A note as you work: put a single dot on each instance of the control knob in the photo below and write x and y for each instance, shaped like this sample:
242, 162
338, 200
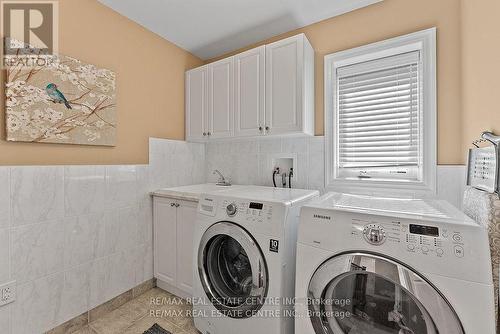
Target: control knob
374, 234
231, 209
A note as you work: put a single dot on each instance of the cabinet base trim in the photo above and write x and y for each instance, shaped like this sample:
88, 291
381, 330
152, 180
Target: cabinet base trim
172, 289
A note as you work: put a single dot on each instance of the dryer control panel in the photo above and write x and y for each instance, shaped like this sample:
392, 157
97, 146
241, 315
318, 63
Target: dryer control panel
415, 238
433, 246
432, 240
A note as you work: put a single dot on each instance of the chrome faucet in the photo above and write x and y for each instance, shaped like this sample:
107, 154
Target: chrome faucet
222, 180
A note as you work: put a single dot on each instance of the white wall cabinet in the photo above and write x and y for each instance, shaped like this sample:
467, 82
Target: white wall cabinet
250, 83
174, 222
268, 90
290, 86
196, 104
221, 99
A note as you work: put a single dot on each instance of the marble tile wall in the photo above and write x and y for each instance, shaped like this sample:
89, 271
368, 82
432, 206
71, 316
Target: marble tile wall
74, 237
249, 161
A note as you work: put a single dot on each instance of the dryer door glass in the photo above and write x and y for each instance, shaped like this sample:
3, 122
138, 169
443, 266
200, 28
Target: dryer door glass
368, 294
232, 270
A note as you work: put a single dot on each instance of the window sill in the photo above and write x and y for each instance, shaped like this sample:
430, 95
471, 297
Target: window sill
405, 188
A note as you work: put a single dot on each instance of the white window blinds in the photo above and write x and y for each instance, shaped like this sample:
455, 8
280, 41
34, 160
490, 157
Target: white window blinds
379, 118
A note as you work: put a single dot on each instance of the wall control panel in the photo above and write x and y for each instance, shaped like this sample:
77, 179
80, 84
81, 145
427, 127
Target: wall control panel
483, 168
414, 238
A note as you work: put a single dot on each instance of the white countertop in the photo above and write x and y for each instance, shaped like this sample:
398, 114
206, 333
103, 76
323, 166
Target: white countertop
190, 193
193, 192
288, 196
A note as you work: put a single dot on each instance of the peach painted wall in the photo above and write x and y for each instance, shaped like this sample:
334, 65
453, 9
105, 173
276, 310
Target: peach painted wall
150, 73
150, 86
481, 68
392, 18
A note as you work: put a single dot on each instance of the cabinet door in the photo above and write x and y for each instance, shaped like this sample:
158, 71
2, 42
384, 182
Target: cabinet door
284, 82
186, 219
165, 240
250, 79
221, 99
196, 104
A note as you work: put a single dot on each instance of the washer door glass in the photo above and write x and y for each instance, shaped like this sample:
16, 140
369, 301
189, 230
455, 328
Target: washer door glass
232, 270
368, 294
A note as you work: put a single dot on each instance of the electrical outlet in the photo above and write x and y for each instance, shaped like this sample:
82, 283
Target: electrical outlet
7, 293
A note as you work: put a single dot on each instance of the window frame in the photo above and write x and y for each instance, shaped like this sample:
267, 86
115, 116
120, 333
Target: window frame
423, 41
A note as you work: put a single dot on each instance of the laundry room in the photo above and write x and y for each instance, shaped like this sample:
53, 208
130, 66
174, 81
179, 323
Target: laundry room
241, 167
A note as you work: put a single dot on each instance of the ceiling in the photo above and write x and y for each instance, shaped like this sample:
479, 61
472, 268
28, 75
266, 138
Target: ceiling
210, 28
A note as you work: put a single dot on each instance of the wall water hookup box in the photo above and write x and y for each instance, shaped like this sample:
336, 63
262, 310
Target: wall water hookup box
285, 162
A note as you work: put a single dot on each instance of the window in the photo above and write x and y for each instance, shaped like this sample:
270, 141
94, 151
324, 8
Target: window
380, 112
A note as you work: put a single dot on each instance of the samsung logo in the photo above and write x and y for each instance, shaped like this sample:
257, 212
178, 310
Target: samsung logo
322, 217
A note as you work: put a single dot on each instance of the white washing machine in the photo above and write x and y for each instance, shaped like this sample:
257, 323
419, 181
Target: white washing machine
245, 242
370, 265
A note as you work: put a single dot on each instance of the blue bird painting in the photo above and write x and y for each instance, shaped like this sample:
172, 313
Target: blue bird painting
56, 95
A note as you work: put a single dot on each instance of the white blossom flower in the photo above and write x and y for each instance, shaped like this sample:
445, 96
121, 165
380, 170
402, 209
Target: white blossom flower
33, 133
23, 116
92, 135
13, 123
11, 102
99, 124
52, 115
62, 136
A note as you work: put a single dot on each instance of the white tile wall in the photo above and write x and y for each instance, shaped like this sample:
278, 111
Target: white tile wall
84, 239
5, 318
176, 163
99, 282
4, 197
4, 255
38, 304
451, 182
37, 250
84, 189
75, 292
74, 237
248, 161
37, 194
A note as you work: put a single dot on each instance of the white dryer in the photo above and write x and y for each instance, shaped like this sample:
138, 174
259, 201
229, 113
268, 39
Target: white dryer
245, 242
369, 265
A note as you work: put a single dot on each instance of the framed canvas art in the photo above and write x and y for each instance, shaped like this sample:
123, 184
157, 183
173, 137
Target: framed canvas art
66, 102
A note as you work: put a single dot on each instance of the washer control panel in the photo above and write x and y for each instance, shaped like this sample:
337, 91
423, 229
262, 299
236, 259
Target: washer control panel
414, 238
231, 209
257, 212
374, 234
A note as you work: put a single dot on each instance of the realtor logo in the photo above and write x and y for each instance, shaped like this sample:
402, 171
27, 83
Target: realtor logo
29, 29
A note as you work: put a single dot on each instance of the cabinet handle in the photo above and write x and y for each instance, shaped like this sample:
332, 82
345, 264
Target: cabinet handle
208, 134
267, 128
172, 204
260, 128
177, 205
204, 134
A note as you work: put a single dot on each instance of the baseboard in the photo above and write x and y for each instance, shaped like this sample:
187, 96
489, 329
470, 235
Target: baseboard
173, 290
84, 319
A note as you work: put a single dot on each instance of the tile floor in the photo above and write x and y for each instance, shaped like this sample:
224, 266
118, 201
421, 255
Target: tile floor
136, 316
